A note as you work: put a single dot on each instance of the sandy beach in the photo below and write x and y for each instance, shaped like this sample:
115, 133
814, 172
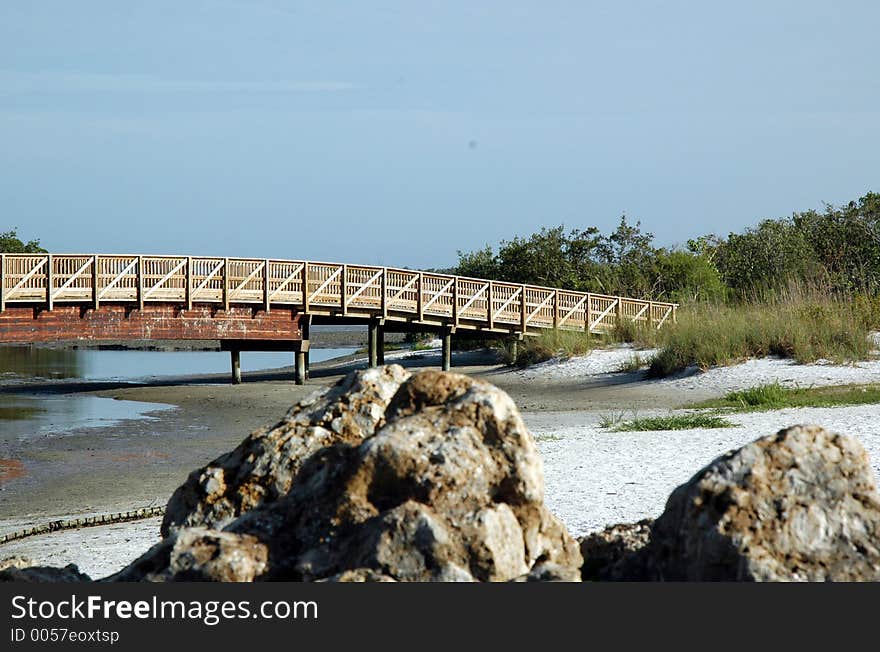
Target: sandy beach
594, 477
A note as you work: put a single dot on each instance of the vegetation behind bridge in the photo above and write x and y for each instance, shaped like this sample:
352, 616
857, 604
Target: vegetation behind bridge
805, 286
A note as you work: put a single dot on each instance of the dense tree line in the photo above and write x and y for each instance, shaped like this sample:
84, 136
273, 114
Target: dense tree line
835, 251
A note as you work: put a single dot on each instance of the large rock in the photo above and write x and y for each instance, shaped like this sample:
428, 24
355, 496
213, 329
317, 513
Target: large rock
799, 505
440, 483
262, 467
22, 569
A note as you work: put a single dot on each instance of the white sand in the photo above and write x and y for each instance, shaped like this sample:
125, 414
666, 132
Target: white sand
97, 551
594, 477
598, 362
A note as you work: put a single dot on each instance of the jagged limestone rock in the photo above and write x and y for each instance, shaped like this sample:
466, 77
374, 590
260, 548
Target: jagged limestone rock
262, 467
798, 505
437, 480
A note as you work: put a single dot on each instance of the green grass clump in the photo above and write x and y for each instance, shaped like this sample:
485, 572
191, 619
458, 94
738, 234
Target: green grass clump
804, 330
776, 397
671, 422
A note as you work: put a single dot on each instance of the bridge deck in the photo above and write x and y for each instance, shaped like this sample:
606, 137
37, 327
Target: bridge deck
47, 281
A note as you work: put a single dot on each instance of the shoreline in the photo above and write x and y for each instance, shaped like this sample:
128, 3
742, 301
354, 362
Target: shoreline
594, 477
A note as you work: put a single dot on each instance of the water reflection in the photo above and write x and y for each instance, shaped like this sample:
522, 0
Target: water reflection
40, 415
26, 416
32, 361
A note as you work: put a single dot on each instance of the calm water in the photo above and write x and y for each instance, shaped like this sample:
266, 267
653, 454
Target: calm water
34, 415
21, 363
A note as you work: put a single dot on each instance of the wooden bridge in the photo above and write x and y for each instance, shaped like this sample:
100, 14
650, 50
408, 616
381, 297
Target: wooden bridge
269, 304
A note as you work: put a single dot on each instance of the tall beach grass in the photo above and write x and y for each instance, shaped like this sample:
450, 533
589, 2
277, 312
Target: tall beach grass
805, 329
802, 325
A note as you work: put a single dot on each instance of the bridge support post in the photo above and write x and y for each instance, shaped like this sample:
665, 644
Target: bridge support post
514, 346
373, 343
300, 369
446, 336
380, 345
235, 357
304, 344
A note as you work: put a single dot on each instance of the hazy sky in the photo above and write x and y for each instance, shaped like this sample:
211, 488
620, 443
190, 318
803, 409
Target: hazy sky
396, 133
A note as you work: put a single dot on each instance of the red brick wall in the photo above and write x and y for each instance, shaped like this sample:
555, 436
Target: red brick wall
156, 321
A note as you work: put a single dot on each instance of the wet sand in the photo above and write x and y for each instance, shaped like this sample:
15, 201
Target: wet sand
139, 463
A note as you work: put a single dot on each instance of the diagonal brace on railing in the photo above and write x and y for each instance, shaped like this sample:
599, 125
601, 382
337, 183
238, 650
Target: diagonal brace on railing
29, 275
665, 317
324, 285
573, 310
208, 278
438, 295
73, 277
605, 312
640, 312
164, 279
363, 287
406, 287
507, 303
117, 278
287, 281
476, 296
259, 268
541, 305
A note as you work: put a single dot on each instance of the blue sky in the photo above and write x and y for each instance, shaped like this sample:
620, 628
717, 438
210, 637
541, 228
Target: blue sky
396, 133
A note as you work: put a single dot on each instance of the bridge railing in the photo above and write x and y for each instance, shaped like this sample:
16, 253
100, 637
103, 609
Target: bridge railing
316, 288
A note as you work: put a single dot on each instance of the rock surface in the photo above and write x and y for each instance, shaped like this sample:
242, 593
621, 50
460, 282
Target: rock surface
262, 467
21, 569
432, 477
198, 555
612, 553
799, 505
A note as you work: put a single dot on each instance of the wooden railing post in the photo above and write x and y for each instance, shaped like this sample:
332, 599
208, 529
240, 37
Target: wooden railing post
95, 281
619, 316
522, 303
140, 282
588, 314
490, 305
555, 309
189, 283
343, 290
49, 280
419, 299
650, 314
226, 284
455, 302
383, 288
266, 285
305, 286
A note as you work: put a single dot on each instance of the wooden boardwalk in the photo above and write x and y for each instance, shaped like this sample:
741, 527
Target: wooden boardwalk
330, 290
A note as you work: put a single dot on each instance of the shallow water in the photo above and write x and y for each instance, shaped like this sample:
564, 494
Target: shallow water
28, 416
19, 363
